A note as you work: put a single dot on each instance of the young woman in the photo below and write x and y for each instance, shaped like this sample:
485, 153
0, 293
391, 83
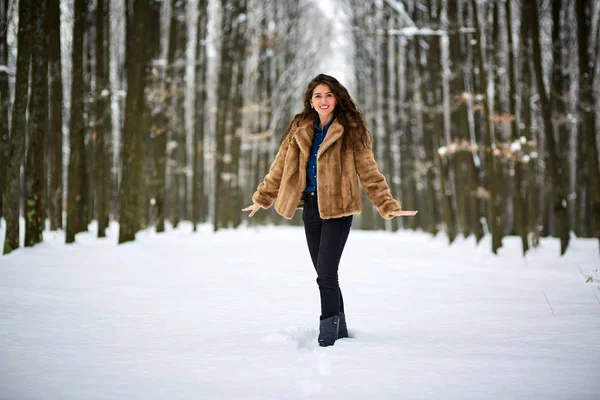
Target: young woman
324, 152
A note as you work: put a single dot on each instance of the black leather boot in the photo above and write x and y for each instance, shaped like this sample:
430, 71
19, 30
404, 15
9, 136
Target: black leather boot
328, 330
343, 331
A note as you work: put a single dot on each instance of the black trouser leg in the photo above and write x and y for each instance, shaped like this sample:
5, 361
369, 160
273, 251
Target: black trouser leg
326, 239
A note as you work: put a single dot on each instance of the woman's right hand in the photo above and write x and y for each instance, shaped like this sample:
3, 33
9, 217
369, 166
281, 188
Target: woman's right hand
253, 209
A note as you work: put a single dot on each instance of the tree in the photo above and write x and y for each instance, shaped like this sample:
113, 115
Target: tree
465, 171
176, 139
231, 62
199, 198
4, 100
102, 126
556, 170
35, 167
19, 126
587, 107
129, 212
490, 163
76, 193
520, 217
55, 101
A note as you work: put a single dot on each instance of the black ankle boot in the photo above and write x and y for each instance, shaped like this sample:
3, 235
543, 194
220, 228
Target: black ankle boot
343, 331
328, 330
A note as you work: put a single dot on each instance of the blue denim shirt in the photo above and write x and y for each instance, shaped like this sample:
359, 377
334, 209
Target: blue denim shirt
311, 165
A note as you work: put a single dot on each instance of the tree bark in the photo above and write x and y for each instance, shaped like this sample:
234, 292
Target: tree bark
224, 105
55, 134
129, 213
234, 183
176, 131
4, 101
407, 146
35, 166
103, 116
488, 143
520, 217
556, 169
76, 177
19, 126
199, 198
587, 126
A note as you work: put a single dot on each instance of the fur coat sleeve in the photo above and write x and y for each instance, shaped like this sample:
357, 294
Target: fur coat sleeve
374, 182
267, 191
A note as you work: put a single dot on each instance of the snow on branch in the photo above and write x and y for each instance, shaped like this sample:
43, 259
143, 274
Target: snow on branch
412, 31
399, 8
520, 150
4, 68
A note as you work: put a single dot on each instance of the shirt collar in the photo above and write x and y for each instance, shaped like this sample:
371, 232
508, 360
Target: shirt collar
317, 121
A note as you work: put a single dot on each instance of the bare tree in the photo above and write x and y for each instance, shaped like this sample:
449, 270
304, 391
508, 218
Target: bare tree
234, 13
199, 196
76, 221
587, 107
556, 169
4, 100
176, 154
19, 126
35, 167
490, 163
129, 212
102, 126
55, 135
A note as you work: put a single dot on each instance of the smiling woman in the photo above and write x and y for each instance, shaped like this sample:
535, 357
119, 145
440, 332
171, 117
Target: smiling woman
324, 152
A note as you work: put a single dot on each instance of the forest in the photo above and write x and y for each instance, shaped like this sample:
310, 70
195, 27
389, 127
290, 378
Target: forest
484, 113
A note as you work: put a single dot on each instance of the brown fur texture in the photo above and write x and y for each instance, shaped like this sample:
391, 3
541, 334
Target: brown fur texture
338, 173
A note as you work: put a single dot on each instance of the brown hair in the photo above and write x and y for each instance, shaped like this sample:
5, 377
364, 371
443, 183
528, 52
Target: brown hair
346, 112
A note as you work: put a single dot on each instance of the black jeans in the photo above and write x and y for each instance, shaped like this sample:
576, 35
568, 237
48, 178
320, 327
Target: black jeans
326, 239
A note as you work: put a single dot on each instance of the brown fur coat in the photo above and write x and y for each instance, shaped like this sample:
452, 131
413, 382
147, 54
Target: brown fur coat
338, 172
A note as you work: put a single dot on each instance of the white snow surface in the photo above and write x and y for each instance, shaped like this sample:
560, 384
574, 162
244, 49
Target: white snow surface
234, 315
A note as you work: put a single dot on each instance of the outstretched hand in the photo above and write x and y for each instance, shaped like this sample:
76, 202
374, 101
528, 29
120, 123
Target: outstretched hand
403, 213
253, 209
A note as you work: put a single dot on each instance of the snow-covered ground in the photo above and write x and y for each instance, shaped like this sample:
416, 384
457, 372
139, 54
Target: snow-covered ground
234, 315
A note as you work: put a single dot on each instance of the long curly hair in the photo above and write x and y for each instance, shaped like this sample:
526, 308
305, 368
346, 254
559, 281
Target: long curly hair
346, 113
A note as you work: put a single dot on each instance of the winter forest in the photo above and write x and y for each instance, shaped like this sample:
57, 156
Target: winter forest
484, 114
134, 132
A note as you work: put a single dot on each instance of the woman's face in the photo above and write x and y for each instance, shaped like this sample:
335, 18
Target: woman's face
323, 101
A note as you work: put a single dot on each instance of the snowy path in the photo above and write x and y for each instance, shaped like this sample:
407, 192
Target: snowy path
234, 315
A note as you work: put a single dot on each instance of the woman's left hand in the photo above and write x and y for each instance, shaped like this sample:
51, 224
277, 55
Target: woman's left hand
403, 213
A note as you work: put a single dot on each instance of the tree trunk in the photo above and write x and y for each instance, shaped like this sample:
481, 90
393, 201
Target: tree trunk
520, 217
407, 61
4, 101
224, 87
76, 176
389, 116
55, 135
103, 115
38, 127
434, 65
199, 199
465, 170
490, 163
176, 85
158, 118
429, 208
19, 126
556, 169
235, 204
587, 107
129, 213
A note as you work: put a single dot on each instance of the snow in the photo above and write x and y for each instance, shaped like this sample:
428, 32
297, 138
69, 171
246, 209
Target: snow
234, 315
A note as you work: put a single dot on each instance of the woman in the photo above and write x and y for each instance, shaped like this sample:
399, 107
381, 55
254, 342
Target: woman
323, 153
